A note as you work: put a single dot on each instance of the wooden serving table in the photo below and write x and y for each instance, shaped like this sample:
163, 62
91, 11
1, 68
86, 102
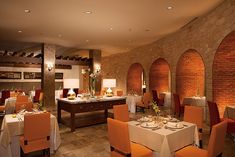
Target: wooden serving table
80, 106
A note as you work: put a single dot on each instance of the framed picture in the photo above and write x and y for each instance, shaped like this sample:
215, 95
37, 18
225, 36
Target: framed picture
10, 75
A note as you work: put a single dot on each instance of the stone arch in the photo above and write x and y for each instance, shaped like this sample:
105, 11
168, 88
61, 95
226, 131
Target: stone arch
223, 71
135, 78
159, 76
190, 75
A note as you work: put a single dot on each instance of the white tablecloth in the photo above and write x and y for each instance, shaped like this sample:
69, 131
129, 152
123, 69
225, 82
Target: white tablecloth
229, 112
10, 105
197, 101
167, 98
12, 128
131, 102
164, 142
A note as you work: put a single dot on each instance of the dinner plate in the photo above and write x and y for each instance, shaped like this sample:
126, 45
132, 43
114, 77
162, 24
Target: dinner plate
149, 125
144, 119
174, 125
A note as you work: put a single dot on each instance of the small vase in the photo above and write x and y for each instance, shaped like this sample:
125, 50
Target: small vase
92, 89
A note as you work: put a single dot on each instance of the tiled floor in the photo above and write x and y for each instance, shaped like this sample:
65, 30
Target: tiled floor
92, 141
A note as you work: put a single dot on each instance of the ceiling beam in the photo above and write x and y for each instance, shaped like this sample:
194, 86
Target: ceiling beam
10, 59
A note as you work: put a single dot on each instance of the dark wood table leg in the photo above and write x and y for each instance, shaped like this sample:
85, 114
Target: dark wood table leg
72, 122
106, 113
58, 113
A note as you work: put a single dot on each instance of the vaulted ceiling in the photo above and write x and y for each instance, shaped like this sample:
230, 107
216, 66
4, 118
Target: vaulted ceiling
109, 25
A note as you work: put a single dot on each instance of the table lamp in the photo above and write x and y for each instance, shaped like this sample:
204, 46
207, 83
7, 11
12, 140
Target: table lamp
109, 83
71, 84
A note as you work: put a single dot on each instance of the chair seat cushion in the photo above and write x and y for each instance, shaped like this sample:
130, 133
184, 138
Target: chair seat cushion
34, 145
191, 151
138, 150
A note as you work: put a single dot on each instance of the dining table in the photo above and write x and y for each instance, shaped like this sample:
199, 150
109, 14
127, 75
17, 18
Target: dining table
13, 127
197, 101
131, 101
164, 140
167, 98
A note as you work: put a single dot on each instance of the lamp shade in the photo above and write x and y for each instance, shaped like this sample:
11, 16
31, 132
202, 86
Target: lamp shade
109, 83
71, 83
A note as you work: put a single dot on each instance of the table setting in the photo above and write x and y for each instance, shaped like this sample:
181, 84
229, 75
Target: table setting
163, 134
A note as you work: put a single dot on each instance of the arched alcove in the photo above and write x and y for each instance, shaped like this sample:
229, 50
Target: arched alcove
190, 75
223, 82
159, 76
135, 78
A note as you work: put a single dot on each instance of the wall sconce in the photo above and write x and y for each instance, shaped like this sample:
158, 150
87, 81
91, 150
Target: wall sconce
49, 66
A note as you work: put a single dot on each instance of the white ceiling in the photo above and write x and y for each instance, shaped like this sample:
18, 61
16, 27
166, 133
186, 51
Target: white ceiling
114, 26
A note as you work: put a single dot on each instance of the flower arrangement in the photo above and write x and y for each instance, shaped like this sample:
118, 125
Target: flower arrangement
155, 107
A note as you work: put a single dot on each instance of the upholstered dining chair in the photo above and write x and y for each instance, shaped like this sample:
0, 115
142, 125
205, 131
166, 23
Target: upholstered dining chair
120, 143
215, 117
179, 108
215, 145
23, 105
121, 113
145, 102
37, 95
5, 95
160, 102
36, 133
194, 114
22, 98
120, 93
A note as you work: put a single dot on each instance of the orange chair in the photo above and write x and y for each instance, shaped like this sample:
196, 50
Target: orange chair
2, 110
145, 102
22, 98
179, 109
36, 133
23, 105
194, 114
119, 93
121, 113
215, 145
120, 144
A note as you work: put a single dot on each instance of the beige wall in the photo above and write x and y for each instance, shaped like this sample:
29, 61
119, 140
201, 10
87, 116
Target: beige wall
204, 35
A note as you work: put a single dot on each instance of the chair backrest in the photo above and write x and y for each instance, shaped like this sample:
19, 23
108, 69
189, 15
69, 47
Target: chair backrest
155, 96
37, 95
147, 98
5, 95
194, 114
121, 113
118, 134
36, 126
177, 102
41, 97
22, 98
23, 105
216, 141
214, 113
120, 93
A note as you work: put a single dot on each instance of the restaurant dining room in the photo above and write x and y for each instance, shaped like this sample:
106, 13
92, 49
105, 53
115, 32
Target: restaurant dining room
125, 78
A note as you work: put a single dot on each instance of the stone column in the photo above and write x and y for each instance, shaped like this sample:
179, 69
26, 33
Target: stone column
95, 55
48, 75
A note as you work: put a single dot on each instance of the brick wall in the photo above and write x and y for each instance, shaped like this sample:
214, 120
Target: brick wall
159, 76
224, 73
190, 73
134, 78
203, 35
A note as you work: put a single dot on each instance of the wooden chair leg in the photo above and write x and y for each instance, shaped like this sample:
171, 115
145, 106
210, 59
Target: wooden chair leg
200, 143
48, 152
22, 154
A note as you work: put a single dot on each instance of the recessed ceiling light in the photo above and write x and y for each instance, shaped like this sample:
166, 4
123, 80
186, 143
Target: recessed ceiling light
27, 11
88, 12
87, 40
19, 31
169, 7
111, 28
59, 35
